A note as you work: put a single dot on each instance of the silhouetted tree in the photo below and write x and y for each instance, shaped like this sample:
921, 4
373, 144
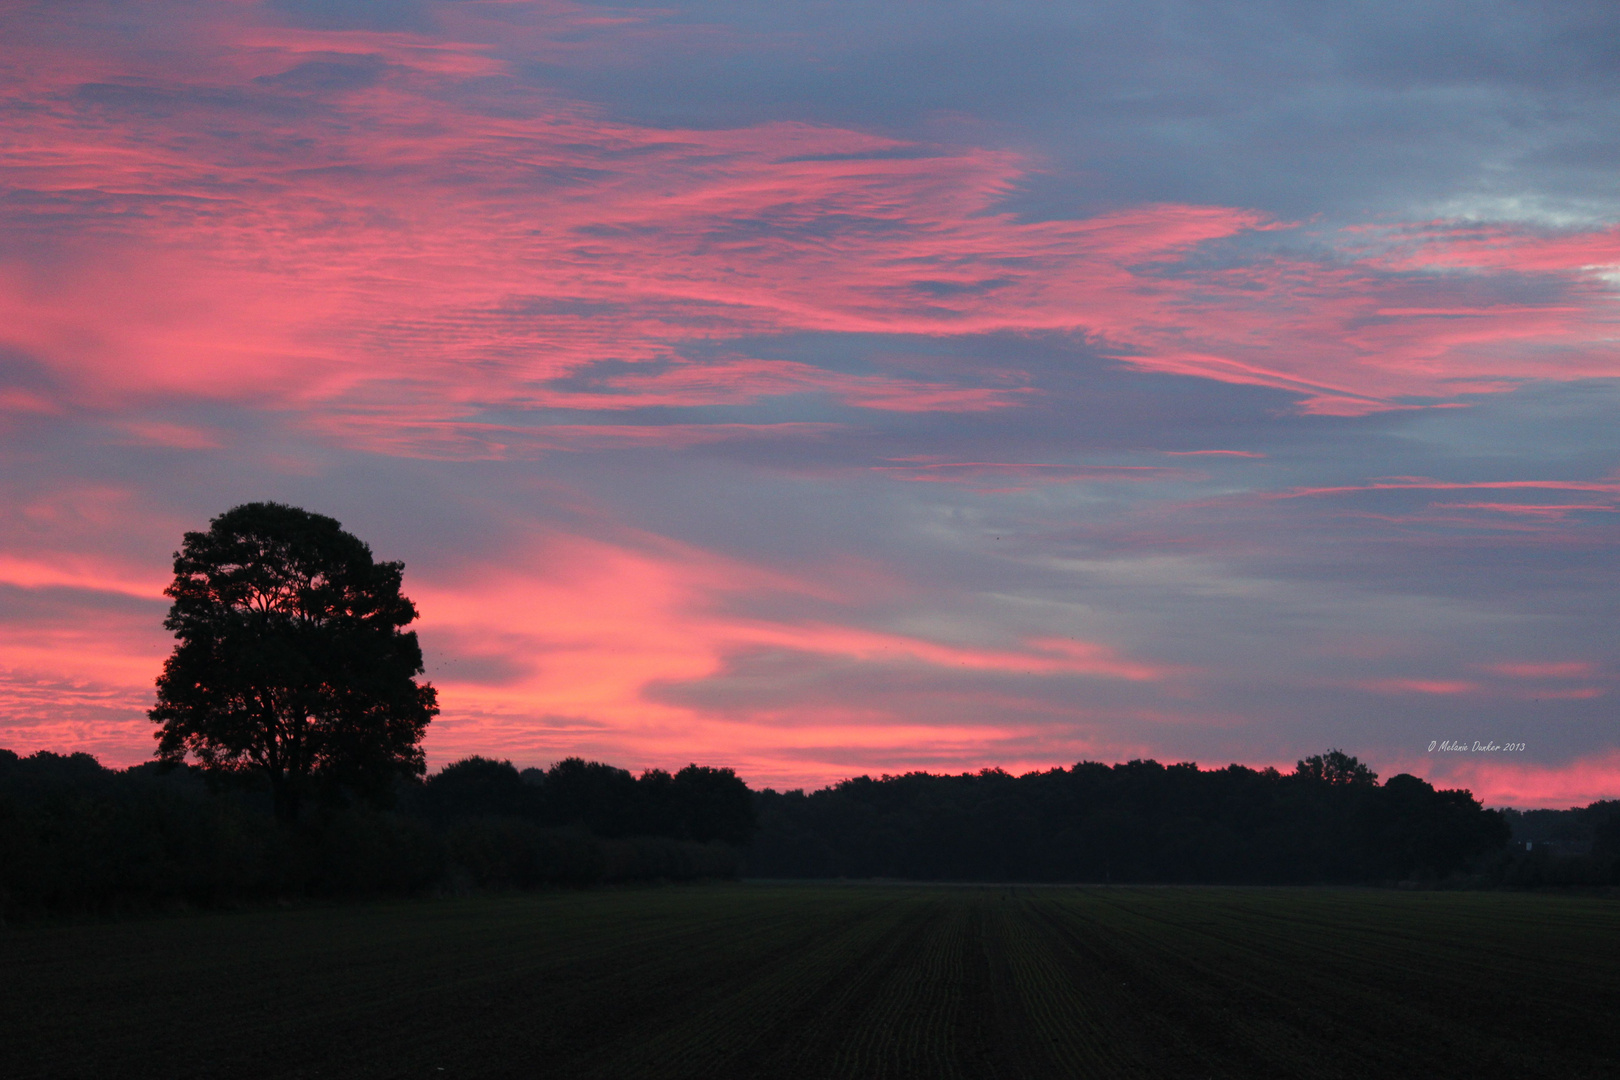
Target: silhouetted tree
1604, 819
602, 798
713, 804
477, 787
292, 661
1337, 768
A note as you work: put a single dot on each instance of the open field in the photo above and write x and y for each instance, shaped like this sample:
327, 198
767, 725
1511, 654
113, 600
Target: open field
832, 980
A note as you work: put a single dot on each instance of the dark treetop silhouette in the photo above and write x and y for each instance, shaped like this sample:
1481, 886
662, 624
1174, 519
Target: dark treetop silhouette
291, 661
1327, 821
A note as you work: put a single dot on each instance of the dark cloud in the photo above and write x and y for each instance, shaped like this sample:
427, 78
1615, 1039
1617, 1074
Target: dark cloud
325, 76
1500, 109
407, 15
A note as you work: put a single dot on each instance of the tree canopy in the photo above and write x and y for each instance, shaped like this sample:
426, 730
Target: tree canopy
1337, 768
699, 803
1328, 821
292, 661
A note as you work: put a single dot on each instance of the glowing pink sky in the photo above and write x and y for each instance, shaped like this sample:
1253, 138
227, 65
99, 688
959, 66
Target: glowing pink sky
835, 392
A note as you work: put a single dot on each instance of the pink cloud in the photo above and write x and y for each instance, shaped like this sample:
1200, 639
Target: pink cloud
584, 630
1556, 669
1450, 245
1042, 656
1420, 483
1544, 677
1418, 686
736, 382
67, 713
1500, 779
392, 247
81, 684
94, 574
1554, 512
1010, 476
1212, 453
468, 440
173, 436
84, 567
22, 401
1498, 515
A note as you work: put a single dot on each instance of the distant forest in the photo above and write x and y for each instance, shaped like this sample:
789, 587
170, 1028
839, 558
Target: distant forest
1327, 822
77, 837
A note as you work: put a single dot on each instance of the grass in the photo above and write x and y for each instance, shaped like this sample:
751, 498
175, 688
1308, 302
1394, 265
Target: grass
831, 981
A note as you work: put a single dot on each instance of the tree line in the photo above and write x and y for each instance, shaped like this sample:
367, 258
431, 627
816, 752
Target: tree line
1328, 821
699, 803
76, 837
1578, 846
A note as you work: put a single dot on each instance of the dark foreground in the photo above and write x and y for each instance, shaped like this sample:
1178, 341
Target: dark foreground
830, 981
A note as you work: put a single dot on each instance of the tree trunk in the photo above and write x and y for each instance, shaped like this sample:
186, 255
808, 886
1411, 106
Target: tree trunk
284, 797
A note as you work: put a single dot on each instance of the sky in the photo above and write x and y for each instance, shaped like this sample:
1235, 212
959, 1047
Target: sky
837, 388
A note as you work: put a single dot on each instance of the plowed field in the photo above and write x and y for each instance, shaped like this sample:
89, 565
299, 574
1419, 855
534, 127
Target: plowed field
865, 981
